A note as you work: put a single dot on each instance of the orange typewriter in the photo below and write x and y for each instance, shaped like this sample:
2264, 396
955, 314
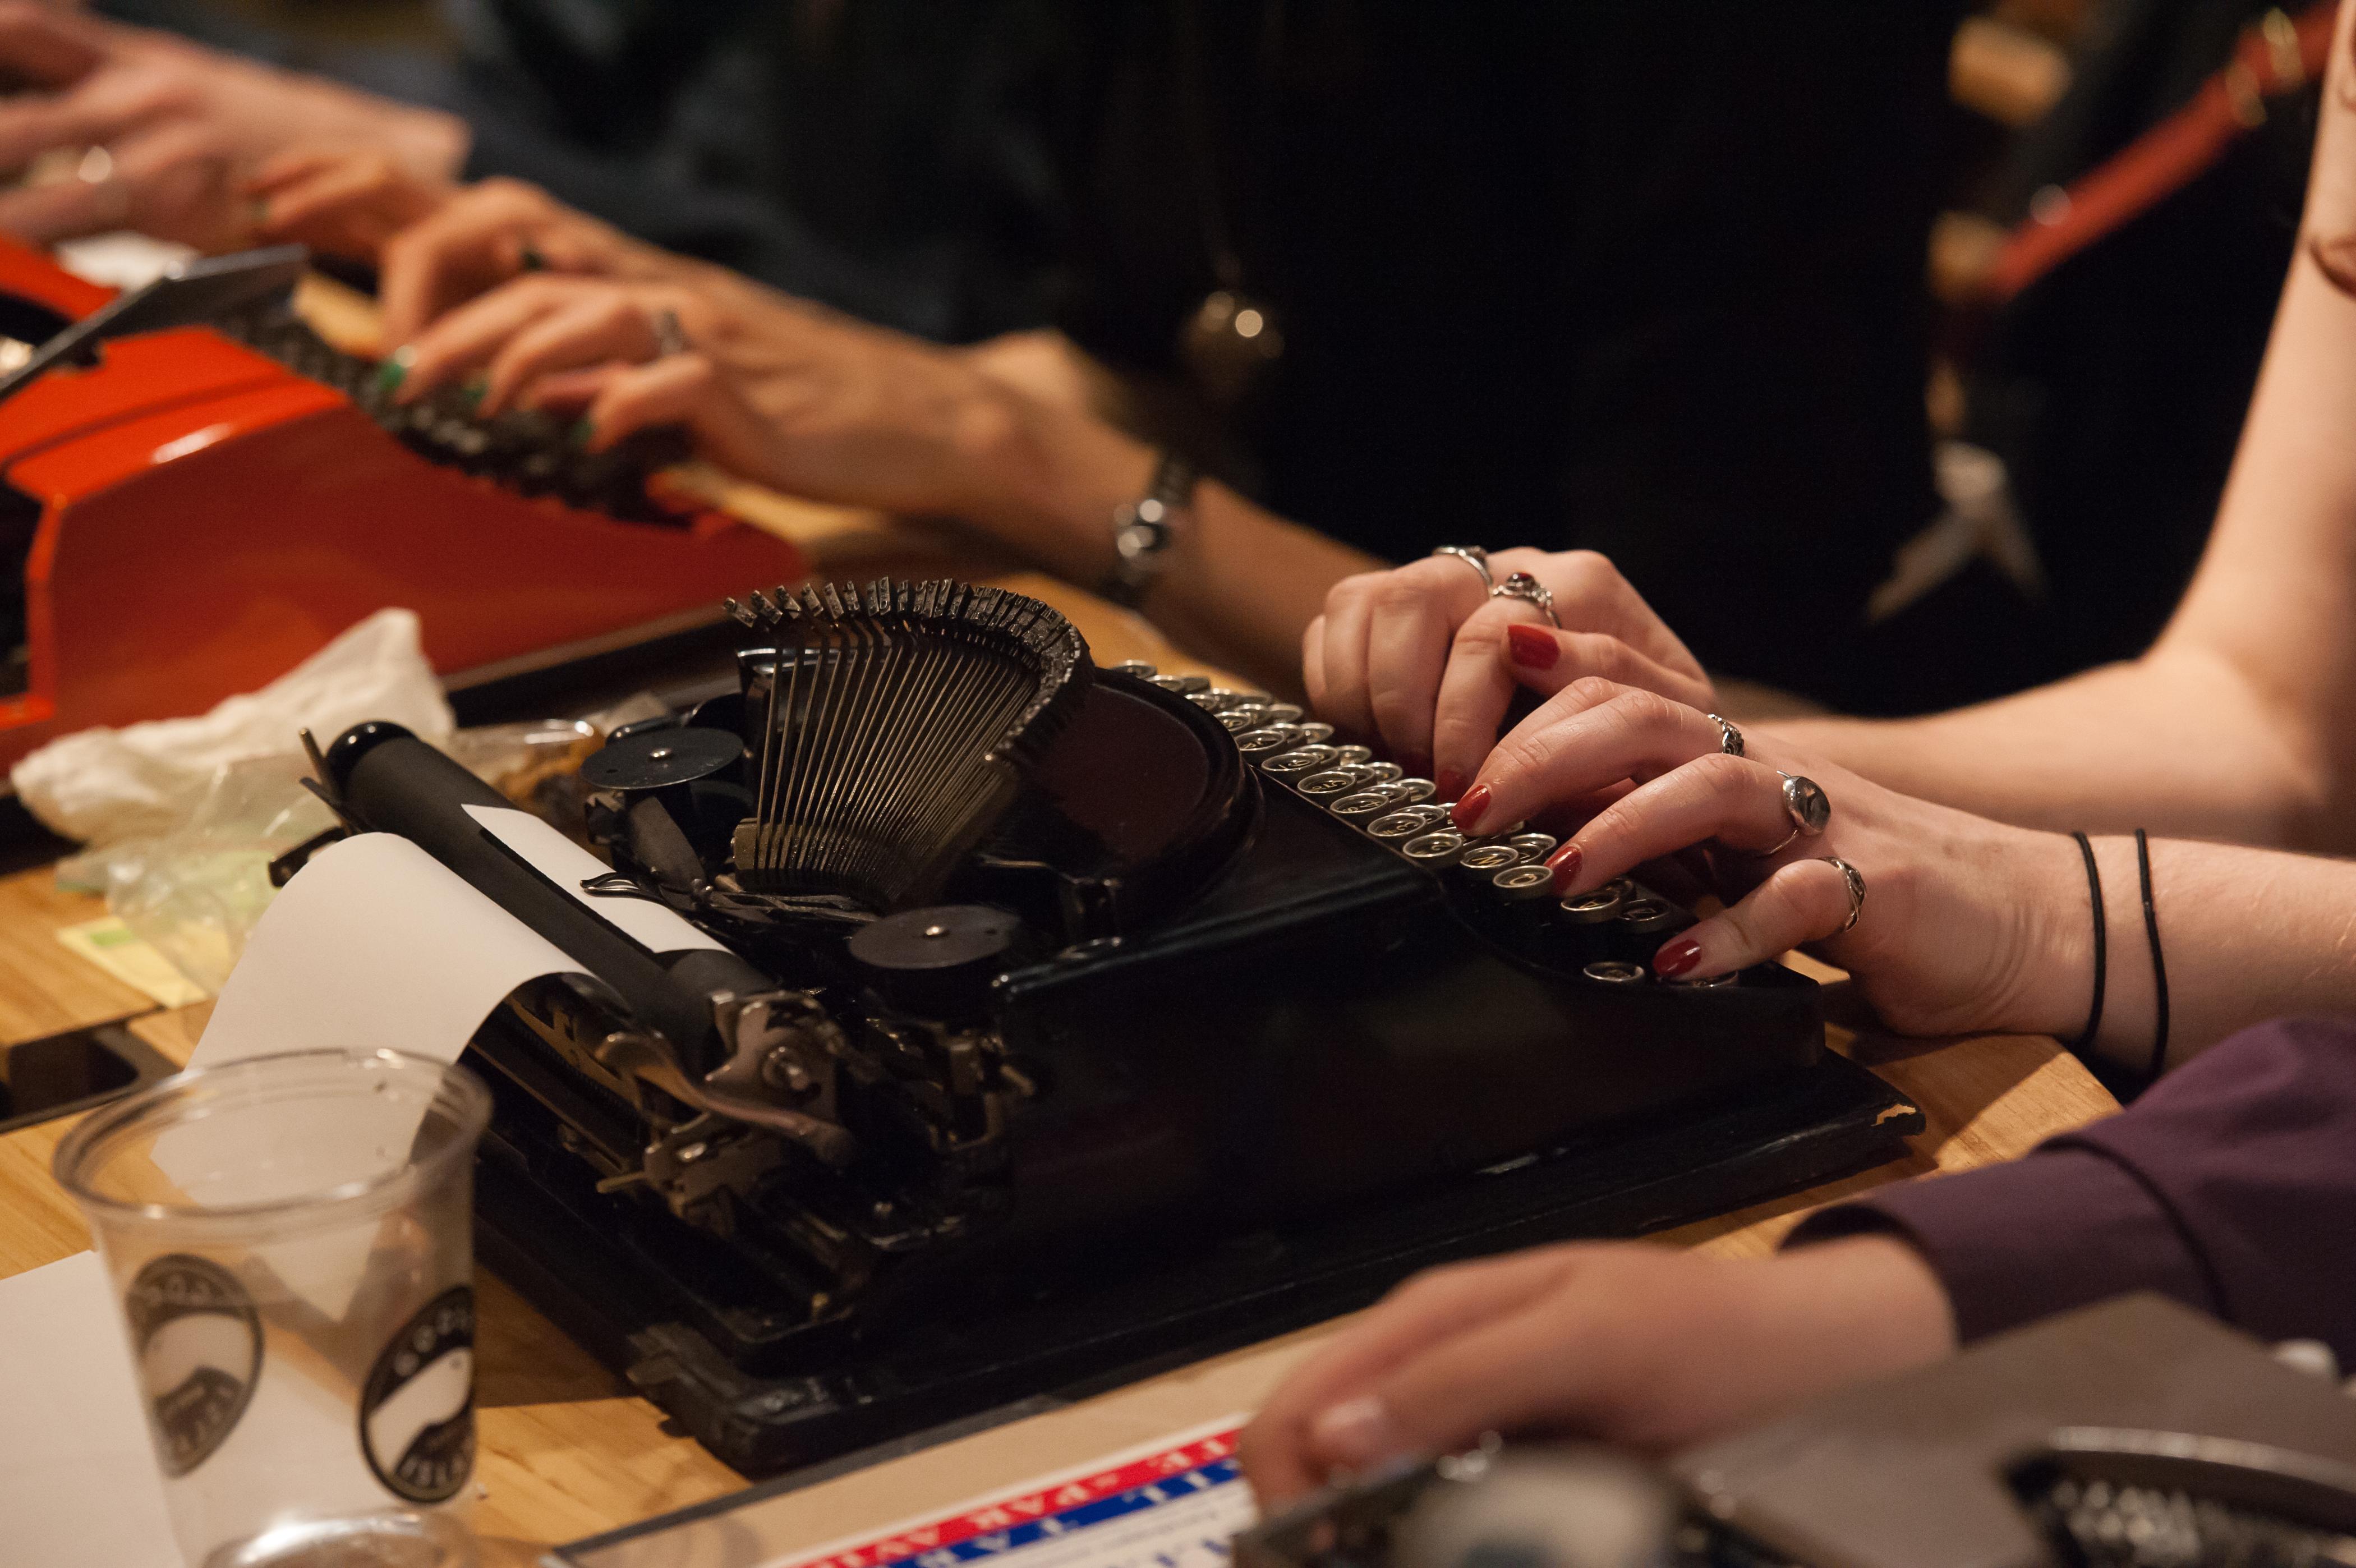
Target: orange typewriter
188, 512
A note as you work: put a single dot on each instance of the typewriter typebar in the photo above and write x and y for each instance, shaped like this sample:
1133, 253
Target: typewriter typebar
2134, 1433
204, 507
1027, 954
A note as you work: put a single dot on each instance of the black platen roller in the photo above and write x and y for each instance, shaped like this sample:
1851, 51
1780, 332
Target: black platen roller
391, 781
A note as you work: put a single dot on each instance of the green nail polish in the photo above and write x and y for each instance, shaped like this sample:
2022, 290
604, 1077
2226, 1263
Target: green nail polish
579, 435
473, 393
393, 369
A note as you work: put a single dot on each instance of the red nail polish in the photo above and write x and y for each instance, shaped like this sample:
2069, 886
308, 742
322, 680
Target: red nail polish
1469, 807
1565, 863
1676, 958
1532, 648
1450, 785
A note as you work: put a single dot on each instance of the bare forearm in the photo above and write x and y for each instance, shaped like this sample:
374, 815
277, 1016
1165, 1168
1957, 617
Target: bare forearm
1238, 586
2246, 935
2175, 742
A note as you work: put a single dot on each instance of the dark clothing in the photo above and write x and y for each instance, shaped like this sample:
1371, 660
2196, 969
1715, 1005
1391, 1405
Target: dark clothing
1646, 279
2230, 1184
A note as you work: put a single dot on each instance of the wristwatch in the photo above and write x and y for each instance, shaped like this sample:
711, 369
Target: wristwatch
1143, 531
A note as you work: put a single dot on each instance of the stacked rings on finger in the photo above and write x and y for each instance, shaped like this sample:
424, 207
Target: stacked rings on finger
671, 338
1806, 803
1729, 739
1856, 880
1522, 585
1472, 555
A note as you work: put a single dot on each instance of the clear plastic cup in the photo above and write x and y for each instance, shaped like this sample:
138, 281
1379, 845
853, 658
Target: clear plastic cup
291, 1238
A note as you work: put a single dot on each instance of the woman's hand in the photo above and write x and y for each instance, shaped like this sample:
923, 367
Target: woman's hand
777, 391
498, 229
1965, 925
1425, 658
344, 203
162, 133
1635, 1345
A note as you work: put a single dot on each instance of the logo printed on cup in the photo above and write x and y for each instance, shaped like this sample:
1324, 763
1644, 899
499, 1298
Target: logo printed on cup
417, 1409
199, 1343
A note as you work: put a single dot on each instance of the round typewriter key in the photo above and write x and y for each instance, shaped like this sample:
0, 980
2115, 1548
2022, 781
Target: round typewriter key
1387, 772
1236, 699
1332, 782
1351, 757
1211, 702
1281, 712
1612, 971
1137, 667
1238, 720
1395, 826
1184, 685
1416, 789
1269, 738
1597, 908
1704, 983
1300, 759
1489, 857
1316, 731
1646, 915
1434, 849
1363, 806
1523, 883
1533, 847
1624, 886
655, 759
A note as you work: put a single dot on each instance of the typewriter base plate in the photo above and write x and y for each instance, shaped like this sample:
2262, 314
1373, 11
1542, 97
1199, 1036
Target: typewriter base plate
1147, 1303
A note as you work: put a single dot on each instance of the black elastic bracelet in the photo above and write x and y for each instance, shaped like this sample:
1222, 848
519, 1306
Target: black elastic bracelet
2101, 964
2159, 965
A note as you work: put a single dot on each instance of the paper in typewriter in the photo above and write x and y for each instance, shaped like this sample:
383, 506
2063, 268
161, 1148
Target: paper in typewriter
374, 945
1175, 1502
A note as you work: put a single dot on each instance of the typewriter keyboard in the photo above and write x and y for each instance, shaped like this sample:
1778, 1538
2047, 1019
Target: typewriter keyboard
1607, 936
524, 450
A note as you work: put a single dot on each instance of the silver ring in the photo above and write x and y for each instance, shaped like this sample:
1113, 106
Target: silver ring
671, 338
1806, 803
1522, 585
1856, 880
1729, 739
1472, 555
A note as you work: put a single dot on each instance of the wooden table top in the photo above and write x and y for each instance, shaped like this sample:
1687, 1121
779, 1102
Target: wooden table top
566, 1452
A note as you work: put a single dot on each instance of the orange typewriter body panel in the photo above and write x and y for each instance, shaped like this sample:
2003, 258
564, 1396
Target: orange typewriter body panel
194, 517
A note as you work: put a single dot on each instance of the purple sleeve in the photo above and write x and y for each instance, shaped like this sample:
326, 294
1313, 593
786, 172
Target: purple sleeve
2231, 1186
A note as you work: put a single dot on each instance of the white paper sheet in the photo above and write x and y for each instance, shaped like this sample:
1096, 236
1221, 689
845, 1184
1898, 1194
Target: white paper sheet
655, 926
375, 945
79, 1486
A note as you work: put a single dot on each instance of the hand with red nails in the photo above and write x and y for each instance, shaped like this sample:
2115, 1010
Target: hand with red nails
1635, 1345
1424, 660
1966, 924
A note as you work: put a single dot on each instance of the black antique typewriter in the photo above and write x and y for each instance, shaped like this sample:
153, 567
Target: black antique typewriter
1067, 1018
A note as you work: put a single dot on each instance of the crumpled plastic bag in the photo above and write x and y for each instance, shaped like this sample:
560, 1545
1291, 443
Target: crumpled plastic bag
106, 785
194, 892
